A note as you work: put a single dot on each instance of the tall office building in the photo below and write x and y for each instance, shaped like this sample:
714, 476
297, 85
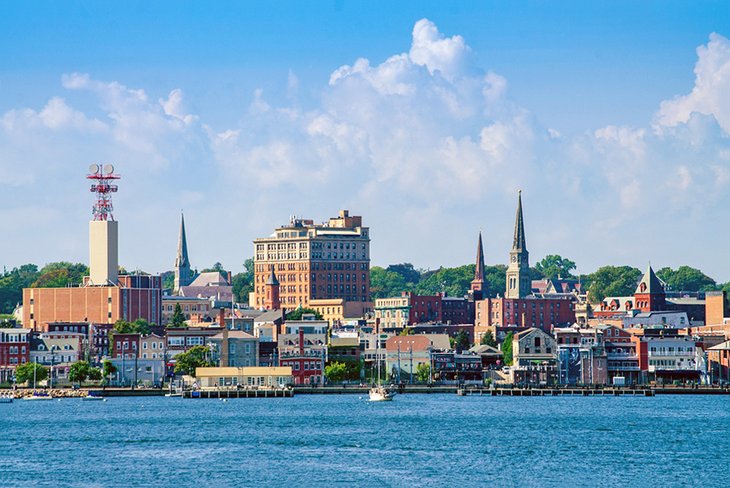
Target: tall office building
315, 261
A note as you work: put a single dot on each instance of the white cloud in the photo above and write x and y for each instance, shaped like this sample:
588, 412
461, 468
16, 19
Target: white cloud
709, 96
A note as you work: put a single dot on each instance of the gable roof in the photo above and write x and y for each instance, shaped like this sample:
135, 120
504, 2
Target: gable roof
650, 283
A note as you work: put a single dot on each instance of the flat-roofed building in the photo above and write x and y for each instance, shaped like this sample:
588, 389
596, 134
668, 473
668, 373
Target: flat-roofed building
258, 376
315, 261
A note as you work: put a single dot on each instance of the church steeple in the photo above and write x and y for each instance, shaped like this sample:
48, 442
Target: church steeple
183, 274
518, 270
477, 284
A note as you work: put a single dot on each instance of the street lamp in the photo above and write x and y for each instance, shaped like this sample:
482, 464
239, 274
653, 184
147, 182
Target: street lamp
53, 362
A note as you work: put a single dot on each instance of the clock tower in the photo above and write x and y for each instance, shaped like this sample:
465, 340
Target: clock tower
518, 270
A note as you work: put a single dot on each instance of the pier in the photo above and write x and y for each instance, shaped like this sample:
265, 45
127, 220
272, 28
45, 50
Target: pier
239, 393
555, 392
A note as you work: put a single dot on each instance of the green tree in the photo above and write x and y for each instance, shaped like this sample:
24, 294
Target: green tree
488, 339
168, 280
24, 373
141, 326
195, 357
217, 267
297, 313
178, 319
406, 331
496, 278
612, 281
555, 266
61, 274
384, 283
506, 348
460, 341
335, 371
410, 275
95, 374
423, 372
108, 368
243, 282
12, 284
79, 371
686, 278
451, 281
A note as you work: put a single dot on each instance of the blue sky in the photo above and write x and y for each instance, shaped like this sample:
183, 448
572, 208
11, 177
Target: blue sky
245, 113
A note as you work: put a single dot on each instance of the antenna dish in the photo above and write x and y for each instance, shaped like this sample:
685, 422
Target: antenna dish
108, 169
94, 169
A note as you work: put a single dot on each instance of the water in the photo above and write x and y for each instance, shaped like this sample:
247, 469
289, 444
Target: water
431, 440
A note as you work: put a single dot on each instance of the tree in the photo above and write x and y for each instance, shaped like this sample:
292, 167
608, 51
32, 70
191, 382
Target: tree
423, 372
410, 275
217, 267
24, 373
496, 278
453, 282
141, 326
686, 278
178, 319
195, 357
488, 339
555, 266
460, 341
506, 348
297, 314
384, 283
406, 331
168, 280
335, 371
61, 274
612, 281
95, 374
108, 368
79, 371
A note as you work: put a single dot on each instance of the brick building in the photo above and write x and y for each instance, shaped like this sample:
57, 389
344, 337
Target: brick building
311, 261
14, 350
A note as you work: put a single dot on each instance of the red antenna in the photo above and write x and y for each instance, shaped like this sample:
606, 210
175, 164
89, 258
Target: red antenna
103, 176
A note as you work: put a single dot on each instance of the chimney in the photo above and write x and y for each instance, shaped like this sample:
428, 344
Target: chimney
230, 279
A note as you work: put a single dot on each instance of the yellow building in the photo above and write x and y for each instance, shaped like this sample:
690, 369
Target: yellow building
259, 376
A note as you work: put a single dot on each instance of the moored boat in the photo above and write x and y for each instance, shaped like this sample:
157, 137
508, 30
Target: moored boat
38, 395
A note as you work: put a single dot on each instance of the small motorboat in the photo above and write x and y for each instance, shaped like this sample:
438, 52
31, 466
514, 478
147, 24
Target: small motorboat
380, 394
92, 398
6, 398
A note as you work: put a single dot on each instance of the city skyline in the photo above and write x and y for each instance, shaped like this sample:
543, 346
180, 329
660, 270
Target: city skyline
426, 125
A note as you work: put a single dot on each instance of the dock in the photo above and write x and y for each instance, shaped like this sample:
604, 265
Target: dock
522, 392
239, 393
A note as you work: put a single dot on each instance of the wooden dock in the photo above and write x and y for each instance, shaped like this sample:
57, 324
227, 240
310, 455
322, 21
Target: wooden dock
555, 392
239, 393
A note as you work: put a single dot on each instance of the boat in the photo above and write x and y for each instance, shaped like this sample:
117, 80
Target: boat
6, 398
379, 393
37, 395
92, 398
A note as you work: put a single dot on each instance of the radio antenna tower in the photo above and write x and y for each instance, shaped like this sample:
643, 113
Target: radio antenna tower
103, 178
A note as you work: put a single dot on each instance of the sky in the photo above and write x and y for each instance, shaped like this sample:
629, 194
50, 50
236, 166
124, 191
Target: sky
426, 118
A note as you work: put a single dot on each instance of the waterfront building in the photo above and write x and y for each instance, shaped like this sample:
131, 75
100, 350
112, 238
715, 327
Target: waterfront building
304, 350
718, 357
152, 346
234, 348
405, 353
666, 356
14, 350
138, 371
57, 351
325, 261
253, 376
457, 367
99, 346
534, 358
183, 338
717, 308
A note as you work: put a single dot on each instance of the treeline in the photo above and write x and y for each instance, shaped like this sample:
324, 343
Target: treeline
29, 276
605, 281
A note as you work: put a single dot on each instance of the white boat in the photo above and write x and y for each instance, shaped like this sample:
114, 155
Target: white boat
379, 393
6, 398
92, 398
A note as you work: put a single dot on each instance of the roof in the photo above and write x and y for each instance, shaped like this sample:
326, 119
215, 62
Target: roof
234, 334
650, 283
723, 346
211, 278
272, 278
273, 316
519, 243
222, 293
484, 349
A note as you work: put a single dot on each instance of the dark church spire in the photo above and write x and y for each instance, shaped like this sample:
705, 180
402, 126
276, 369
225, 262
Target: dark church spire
477, 285
182, 246
518, 244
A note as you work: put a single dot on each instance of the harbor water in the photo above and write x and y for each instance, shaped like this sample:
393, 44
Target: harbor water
325, 440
